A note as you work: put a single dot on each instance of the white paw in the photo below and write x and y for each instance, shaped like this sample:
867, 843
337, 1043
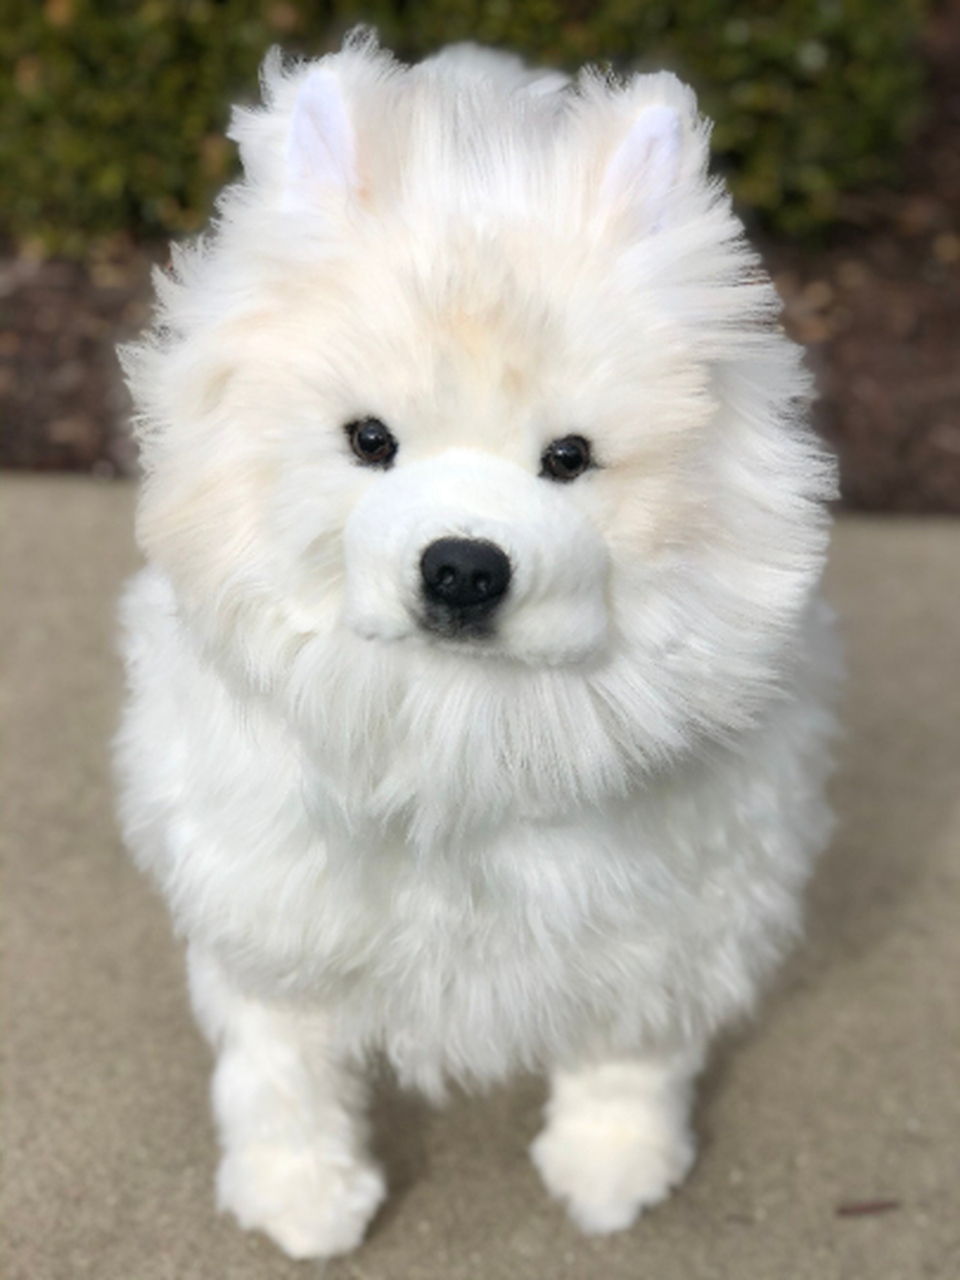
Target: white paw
310, 1204
608, 1162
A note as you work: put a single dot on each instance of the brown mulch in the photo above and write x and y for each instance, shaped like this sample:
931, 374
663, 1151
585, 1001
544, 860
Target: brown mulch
879, 311
63, 403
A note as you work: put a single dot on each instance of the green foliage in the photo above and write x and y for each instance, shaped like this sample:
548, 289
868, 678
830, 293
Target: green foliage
112, 111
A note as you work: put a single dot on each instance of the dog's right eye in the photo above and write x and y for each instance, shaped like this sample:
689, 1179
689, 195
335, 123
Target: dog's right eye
372, 442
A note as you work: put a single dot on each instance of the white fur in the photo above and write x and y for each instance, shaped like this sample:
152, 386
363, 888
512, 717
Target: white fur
617, 1138
577, 845
291, 1120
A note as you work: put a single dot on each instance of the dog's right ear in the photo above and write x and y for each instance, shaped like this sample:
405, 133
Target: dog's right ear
320, 158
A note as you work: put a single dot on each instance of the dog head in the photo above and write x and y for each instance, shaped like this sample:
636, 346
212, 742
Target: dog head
470, 437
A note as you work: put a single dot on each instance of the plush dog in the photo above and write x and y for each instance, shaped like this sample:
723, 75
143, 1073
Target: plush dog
479, 688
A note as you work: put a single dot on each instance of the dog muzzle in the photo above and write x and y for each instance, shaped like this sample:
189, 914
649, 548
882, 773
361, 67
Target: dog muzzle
470, 550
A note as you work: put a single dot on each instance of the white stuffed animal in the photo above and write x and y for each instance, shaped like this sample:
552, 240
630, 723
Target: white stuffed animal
479, 688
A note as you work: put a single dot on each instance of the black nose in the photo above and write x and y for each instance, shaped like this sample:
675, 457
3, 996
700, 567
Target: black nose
464, 578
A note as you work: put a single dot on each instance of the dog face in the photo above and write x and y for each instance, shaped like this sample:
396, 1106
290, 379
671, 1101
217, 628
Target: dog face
481, 420
462, 529
470, 436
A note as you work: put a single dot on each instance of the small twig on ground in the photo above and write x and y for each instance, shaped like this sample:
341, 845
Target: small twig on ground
862, 1208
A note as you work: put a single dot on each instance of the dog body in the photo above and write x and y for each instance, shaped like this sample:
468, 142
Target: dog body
479, 684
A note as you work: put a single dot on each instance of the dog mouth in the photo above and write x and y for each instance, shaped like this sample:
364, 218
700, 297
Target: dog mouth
473, 623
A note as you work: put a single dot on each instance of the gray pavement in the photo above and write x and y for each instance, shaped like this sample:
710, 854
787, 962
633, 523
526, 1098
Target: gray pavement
846, 1090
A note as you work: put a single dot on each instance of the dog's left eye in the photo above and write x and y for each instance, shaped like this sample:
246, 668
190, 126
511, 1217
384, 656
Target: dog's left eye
372, 442
565, 459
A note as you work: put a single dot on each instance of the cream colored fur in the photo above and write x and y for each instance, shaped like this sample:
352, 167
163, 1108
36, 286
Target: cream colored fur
577, 845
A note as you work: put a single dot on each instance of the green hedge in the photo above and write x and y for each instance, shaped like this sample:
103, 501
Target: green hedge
111, 113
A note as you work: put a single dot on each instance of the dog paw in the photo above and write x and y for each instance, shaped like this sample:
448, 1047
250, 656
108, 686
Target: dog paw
308, 1203
609, 1160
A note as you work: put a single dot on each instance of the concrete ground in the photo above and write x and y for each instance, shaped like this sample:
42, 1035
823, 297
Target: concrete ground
846, 1092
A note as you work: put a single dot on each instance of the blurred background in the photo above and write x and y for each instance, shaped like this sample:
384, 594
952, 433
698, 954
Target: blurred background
837, 126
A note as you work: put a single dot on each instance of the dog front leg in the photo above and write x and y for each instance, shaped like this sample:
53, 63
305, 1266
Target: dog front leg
618, 1137
291, 1120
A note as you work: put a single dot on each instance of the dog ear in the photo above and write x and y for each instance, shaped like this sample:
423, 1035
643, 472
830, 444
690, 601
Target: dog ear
320, 145
643, 172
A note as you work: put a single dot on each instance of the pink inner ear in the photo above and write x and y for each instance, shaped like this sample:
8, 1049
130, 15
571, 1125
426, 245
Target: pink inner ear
646, 165
320, 153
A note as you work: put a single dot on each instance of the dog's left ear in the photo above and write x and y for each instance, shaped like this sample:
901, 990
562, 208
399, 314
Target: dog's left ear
320, 145
642, 175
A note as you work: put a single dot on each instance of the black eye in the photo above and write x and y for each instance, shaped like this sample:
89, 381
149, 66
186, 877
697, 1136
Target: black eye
372, 442
565, 459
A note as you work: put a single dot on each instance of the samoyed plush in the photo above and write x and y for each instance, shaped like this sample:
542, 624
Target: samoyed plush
479, 688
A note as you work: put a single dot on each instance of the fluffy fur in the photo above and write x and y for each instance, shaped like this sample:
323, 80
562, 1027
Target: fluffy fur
575, 845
